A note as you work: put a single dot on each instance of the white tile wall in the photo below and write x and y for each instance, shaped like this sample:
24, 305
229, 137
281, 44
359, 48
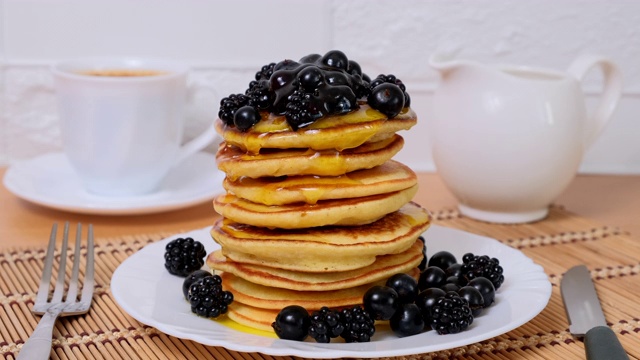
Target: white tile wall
226, 41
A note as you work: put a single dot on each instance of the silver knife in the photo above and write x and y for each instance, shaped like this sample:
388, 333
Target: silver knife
586, 317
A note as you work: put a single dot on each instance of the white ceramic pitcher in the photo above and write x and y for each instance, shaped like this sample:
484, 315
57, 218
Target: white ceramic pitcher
507, 140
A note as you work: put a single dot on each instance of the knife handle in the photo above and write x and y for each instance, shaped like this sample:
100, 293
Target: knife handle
602, 343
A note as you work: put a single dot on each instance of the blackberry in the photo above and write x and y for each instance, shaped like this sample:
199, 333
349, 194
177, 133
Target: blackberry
191, 278
301, 110
207, 298
265, 72
450, 314
231, 104
325, 325
260, 94
183, 256
358, 325
474, 266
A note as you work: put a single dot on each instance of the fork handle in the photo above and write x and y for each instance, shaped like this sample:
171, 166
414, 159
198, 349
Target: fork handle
38, 346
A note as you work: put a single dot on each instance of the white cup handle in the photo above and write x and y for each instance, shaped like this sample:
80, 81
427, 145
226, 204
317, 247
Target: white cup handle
196, 144
610, 93
208, 136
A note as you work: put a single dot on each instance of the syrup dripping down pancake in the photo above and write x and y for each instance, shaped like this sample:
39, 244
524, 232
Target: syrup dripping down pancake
333, 132
388, 177
236, 163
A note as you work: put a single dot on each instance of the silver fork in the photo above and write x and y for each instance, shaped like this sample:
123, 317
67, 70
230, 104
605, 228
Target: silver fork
38, 346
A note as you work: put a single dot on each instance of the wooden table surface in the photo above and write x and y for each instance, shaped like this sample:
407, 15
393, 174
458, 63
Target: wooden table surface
611, 200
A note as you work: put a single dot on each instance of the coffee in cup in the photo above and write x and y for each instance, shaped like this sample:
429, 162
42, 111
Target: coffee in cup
122, 122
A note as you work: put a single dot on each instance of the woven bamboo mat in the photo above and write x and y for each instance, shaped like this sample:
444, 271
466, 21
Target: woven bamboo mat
559, 242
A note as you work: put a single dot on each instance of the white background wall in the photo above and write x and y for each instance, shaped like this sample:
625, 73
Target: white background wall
227, 41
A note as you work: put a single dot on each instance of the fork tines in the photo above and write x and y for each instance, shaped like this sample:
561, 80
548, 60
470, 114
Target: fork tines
71, 304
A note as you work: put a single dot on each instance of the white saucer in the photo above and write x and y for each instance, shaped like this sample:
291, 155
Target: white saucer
49, 180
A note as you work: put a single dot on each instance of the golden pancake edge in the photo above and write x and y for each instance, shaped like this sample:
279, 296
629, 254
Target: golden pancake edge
333, 132
388, 177
330, 248
384, 267
236, 163
355, 211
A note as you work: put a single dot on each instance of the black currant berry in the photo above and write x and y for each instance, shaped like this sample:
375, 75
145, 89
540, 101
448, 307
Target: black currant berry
246, 117
309, 59
426, 299
407, 320
423, 263
442, 259
292, 323
431, 277
450, 287
354, 68
460, 281
474, 298
454, 270
380, 302
335, 59
387, 98
405, 285
485, 287
310, 78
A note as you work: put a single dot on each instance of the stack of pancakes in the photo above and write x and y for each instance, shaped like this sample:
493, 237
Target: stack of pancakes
314, 217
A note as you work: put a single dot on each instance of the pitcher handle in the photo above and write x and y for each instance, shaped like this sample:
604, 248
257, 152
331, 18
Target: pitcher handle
610, 92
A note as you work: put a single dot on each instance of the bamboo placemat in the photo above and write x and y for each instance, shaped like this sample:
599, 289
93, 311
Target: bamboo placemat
557, 243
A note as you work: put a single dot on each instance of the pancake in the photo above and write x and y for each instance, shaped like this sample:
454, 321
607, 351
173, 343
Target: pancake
381, 269
355, 211
244, 311
236, 163
260, 319
330, 248
332, 132
388, 177
266, 297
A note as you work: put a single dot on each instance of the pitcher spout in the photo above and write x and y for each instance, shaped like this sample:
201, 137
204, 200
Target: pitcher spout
445, 62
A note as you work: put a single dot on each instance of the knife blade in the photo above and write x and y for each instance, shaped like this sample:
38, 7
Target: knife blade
586, 318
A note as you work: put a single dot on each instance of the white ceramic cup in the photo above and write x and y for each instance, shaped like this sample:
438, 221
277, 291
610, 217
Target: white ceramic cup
123, 134
507, 140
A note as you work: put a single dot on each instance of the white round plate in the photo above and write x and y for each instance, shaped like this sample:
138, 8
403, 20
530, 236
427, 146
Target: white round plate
145, 290
49, 180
